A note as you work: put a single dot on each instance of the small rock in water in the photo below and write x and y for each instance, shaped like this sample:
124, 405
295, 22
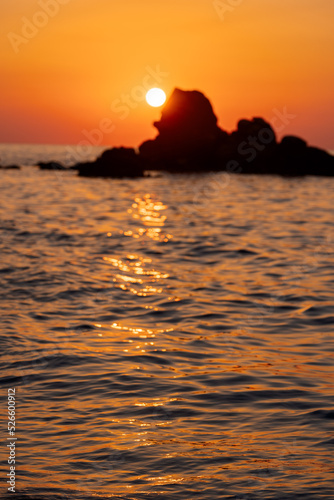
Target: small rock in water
51, 165
115, 162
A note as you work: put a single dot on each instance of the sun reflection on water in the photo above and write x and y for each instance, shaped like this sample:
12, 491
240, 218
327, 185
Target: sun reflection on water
134, 264
148, 211
231, 383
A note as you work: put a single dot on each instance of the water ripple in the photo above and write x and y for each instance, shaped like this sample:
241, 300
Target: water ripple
165, 343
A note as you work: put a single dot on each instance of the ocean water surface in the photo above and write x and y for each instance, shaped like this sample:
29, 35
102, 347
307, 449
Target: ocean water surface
169, 337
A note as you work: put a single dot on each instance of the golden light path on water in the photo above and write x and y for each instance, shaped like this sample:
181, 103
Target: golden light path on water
167, 352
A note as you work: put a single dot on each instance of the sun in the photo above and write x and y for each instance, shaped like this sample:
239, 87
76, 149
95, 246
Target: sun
155, 97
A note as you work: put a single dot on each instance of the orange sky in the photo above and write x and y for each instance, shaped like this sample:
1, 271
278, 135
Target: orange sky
71, 73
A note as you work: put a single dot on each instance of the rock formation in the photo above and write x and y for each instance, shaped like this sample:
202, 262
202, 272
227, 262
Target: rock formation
116, 162
51, 165
295, 157
189, 139
188, 134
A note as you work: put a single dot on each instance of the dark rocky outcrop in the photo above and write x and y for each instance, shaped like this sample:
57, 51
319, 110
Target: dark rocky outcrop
250, 148
188, 134
116, 162
51, 165
295, 157
10, 167
189, 139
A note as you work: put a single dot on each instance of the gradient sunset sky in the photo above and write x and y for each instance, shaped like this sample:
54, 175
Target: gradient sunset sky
86, 64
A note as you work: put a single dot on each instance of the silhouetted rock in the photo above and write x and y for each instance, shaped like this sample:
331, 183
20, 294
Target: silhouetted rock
51, 165
189, 139
251, 146
293, 145
10, 167
294, 157
319, 162
116, 162
188, 134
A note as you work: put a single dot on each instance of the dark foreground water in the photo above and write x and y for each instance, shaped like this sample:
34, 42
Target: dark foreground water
168, 337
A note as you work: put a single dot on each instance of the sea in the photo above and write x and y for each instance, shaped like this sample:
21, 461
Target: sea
167, 337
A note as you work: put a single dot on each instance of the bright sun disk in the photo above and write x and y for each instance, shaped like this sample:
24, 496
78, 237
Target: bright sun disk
155, 97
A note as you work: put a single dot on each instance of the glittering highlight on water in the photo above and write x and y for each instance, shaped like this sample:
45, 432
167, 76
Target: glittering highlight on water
169, 337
